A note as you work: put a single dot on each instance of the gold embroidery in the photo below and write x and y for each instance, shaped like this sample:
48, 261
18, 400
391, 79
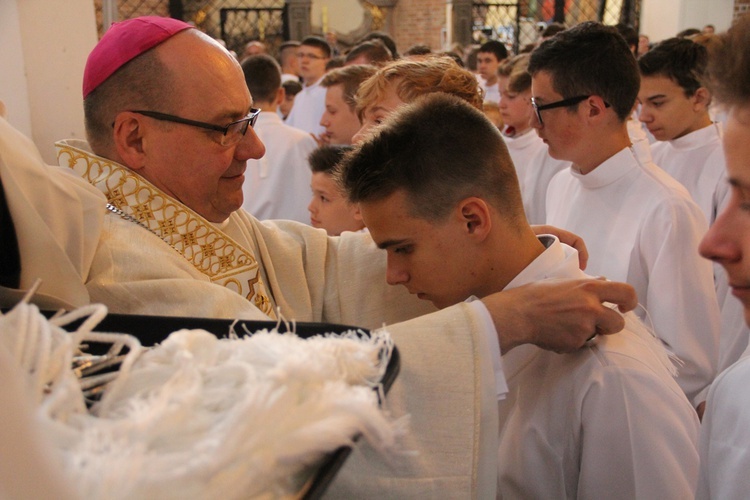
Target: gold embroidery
206, 247
167, 227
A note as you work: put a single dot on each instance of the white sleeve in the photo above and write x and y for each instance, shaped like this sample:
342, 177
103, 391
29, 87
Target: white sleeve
490, 332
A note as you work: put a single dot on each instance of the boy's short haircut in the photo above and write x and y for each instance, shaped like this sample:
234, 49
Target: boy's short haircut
590, 59
262, 76
326, 158
729, 65
350, 78
385, 39
516, 71
495, 47
375, 51
292, 87
417, 77
439, 150
679, 59
321, 43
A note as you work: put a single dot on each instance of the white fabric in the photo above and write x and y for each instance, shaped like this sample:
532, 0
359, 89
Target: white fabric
491, 92
27, 465
641, 227
725, 436
608, 421
289, 77
57, 218
278, 185
309, 106
535, 168
697, 161
639, 137
313, 277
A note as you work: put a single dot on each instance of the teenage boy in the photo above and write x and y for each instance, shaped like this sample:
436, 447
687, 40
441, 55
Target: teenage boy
640, 225
277, 184
489, 58
340, 118
446, 207
675, 108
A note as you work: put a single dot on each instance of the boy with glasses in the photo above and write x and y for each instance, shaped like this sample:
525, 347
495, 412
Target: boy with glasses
309, 105
640, 225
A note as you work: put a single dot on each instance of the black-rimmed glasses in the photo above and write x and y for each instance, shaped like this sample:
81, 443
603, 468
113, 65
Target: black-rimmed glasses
230, 134
571, 101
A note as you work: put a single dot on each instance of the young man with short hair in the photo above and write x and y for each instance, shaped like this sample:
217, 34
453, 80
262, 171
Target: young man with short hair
675, 108
491, 54
534, 166
277, 185
340, 118
446, 207
640, 225
309, 105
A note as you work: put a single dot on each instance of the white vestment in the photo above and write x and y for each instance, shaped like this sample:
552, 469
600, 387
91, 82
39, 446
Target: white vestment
725, 436
308, 108
697, 161
313, 277
641, 227
535, 168
491, 92
57, 219
278, 185
607, 421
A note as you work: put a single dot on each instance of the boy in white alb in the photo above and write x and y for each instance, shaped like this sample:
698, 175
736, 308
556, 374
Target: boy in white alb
640, 225
606, 420
534, 166
276, 185
675, 108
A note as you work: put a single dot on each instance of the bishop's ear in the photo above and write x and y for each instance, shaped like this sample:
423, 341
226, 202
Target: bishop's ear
475, 214
128, 139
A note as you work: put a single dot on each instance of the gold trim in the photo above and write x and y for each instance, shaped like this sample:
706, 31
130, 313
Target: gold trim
207, 248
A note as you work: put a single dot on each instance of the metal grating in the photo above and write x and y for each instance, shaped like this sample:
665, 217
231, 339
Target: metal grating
235, 21
518, 23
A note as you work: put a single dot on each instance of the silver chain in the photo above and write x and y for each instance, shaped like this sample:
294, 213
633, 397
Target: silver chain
129, 217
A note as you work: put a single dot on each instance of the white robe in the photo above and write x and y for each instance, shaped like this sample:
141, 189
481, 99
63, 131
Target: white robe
308, 108
535, 168
697, 161
57, 218
725, 436
608, 421
278, 185
313, 277
641, 227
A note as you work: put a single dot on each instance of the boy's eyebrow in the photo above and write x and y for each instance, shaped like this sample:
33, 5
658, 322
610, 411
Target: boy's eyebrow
657, 96
383, 245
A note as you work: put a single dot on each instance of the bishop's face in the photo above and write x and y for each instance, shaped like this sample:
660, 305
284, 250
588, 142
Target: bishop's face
187, 162
728, 240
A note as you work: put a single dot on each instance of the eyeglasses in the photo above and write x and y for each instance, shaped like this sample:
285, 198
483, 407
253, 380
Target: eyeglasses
572, 101
231, 134
304, 55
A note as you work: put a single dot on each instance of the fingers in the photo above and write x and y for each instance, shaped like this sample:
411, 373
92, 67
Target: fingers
620, 294
570, 239
609, 322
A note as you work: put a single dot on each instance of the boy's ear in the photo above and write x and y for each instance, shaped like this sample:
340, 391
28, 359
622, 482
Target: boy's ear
475, 215
702, 98
128, 139
595, 106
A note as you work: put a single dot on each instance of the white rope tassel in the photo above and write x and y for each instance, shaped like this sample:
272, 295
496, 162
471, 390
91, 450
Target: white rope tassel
200, 417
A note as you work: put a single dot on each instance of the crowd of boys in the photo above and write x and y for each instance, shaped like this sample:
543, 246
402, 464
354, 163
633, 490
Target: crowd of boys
427, 193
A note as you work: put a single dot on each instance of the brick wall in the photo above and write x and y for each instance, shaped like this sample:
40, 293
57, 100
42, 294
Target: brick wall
418, 21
